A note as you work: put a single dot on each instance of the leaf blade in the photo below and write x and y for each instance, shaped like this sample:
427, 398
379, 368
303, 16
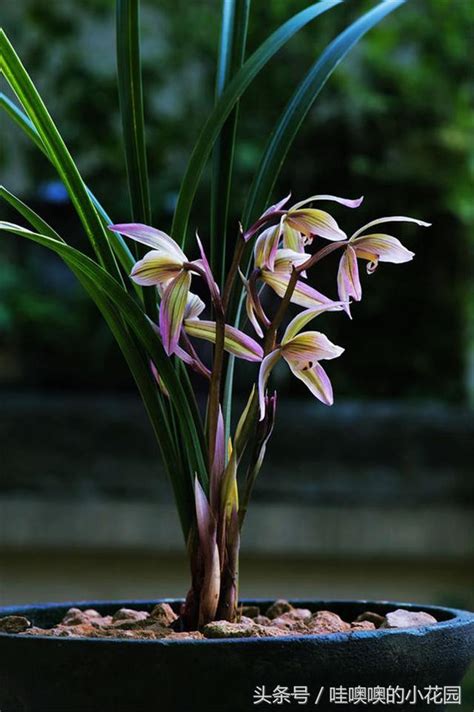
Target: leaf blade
224, 106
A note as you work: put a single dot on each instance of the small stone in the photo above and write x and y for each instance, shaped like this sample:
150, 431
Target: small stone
224, 629
163, 614
250, 611
74, 616
407, 619
293, 619
372, 617
127, 614
14, 624
262, 620
363, 625
92, 613
101, 621
278, 608
327, 622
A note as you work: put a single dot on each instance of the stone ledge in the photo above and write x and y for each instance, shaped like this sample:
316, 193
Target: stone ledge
271, 529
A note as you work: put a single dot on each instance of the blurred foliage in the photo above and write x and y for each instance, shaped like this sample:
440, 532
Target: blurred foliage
394, 123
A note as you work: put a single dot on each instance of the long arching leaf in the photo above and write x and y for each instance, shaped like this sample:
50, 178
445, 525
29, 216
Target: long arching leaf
133, 123
235, 14
118, 244
143, 330
224, 106
300, 103
181, 480
22, 85
286, 131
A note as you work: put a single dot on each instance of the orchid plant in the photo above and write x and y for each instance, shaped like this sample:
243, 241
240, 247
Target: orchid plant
143, 280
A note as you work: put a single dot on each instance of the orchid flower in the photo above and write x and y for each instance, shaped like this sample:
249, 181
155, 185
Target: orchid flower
278, 278
167, 267
375, 248
302, 353
311, 222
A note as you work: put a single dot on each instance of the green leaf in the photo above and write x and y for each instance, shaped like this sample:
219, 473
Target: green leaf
131, 107
22, 85
139, 368
119, 245
300, 103
226, 103
235, 14
133, 124
142, 328
285, 132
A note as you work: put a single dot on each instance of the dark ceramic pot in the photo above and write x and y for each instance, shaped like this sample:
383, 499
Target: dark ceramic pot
41, 674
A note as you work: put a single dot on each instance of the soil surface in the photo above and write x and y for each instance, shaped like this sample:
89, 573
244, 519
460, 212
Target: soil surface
281, 618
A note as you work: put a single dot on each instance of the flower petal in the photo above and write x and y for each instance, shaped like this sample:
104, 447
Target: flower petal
313, 222
304, 317
316, 379
285, 260
263, 376
235, 341
266, 247
277, 206
157, 239
172, 310
381, 248
304, 295
348, 202
250, 307
292, 239
304, 349
194, 306
156, 267
204, 263
348, 282
393, 218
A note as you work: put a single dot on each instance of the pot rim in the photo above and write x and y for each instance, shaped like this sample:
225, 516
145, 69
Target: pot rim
453, 618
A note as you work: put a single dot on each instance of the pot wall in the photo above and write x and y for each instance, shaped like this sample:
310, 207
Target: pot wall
73, 675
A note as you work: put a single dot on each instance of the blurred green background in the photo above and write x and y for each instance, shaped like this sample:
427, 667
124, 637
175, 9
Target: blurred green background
394, 124
374, 498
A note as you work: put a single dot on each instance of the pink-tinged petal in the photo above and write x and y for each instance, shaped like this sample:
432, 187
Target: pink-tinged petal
194, 306
313, 222
286, 259
250, 307
277, 206
380, 248
304, 317
265, 218
393, 218
156, 239
172, 310
303, 295
305, 349
156, 267
266, 247
204, 263
348, 202
264, 374
348, 282
235, 341
207, 532
316, 379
